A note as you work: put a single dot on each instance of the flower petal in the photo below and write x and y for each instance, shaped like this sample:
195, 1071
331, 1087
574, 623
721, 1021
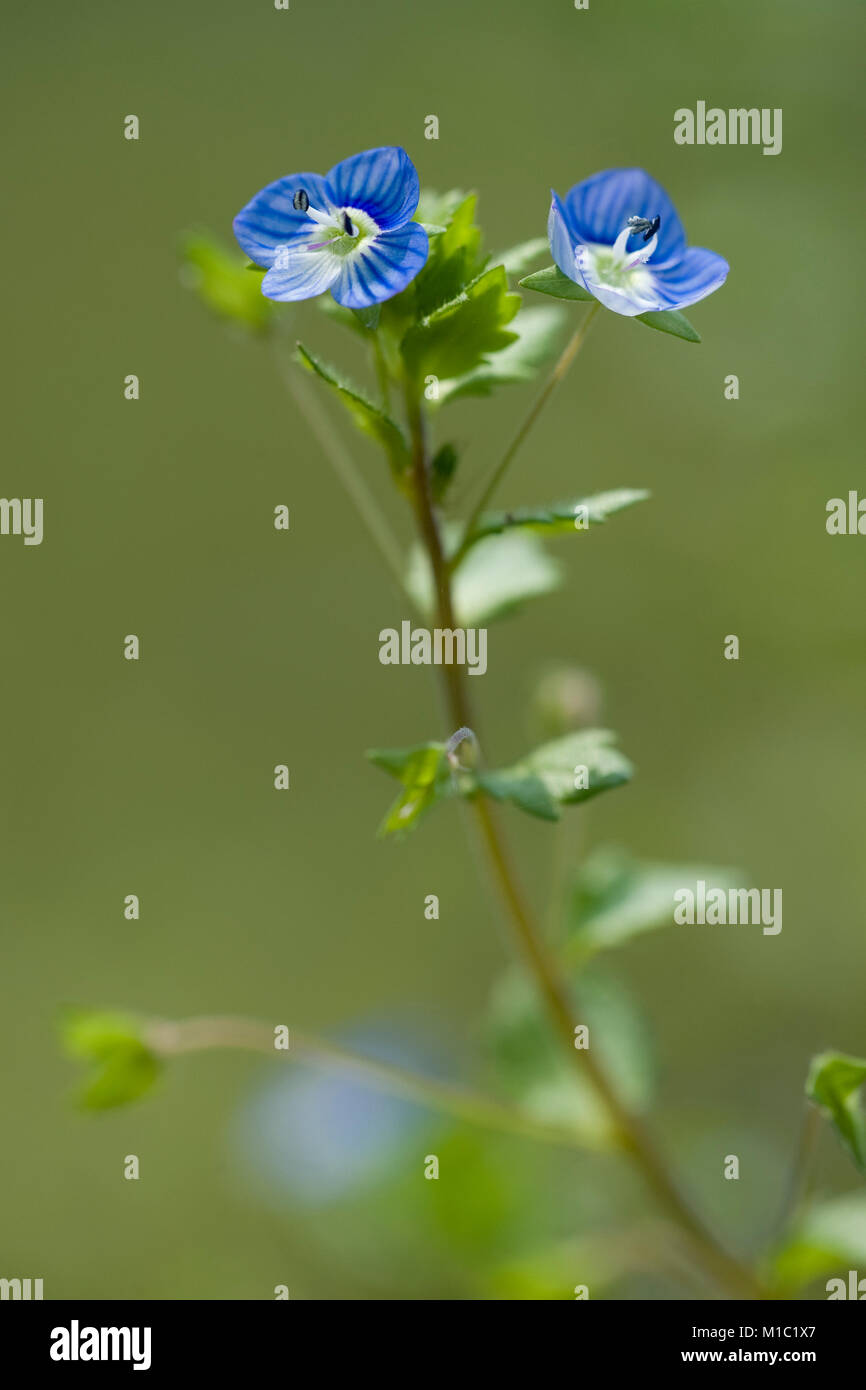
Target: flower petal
301, 274
629, 302
382, 182
270, 220
597, 210
696, 275
561, 244
382, 267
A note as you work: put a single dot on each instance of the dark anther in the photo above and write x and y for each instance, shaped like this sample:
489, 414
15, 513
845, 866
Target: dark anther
301, 202
649, 226
347, 225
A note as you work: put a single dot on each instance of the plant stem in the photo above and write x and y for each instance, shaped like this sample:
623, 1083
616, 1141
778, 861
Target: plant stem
349, 475
634, 1137
569, 353
201, 1034
797, 1191
381, 369
458, 701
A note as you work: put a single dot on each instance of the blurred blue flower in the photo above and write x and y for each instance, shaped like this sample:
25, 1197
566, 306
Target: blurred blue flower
348, 232
606, 230
315, 1134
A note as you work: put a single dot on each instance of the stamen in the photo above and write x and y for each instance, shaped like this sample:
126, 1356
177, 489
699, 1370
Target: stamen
648, 225
347, 225
301, 201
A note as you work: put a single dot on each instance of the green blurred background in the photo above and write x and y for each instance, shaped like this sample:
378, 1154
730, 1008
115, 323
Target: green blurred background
259, 647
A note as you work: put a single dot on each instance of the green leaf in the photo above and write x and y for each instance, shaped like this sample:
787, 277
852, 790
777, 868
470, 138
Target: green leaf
439, 208
518, 259
834, 1083
497, 577
534, 1070
368, 317
454, 261
539, 784
425, 775
537, 332
367, 416
562, 518
552, 281
360, 321
829, 1238
220, 279
443, 466
546, 779
615, 897
327, 305
456, 338
124, 1067
523, 789
671, 321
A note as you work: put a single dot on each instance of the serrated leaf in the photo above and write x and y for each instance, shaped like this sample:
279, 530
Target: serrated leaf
496, 578
547, 778
561, 518
367, 416
552, 281
439, 208
537, 332
124, 1067
457, 338
670, 321
454, 261
221, 280
828, 1239
425, 775
614, 897
532, 1067
834, 1083
519, 258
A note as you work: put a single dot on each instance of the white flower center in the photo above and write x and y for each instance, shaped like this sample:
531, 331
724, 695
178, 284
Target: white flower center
614, 268
341, 231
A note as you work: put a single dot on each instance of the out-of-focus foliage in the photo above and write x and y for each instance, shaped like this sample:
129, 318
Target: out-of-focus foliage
834, 1082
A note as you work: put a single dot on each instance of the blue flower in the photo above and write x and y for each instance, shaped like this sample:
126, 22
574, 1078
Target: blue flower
605, 232
349, 232
316, 1135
